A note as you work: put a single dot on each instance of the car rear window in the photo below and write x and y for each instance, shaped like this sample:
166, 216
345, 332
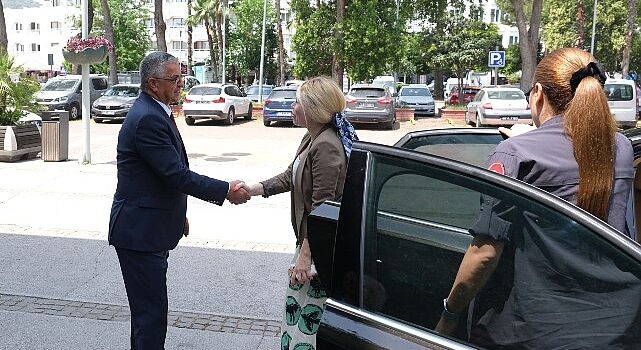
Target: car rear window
283, 94
415, 92
618, 92
368, 92
506, 95
253, 90
204, 90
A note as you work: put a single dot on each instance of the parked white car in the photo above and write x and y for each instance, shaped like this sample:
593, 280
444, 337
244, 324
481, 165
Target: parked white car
622, 99
498, 106
216, 101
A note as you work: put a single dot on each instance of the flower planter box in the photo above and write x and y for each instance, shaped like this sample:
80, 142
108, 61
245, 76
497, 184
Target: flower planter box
19, 142
404, 114
451, 113
86, 56
257, 110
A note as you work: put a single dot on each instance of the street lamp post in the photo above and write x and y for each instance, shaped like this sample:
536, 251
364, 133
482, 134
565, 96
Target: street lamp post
262, 55
593, 28
224, 78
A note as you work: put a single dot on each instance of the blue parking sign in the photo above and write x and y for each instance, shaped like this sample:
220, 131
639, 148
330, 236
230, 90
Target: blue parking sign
496, 59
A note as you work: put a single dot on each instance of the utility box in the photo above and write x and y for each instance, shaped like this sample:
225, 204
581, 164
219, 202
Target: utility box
55, 138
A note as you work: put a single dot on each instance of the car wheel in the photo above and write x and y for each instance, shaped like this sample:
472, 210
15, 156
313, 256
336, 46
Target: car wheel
390, 124
248, 116
231, 115
467, 118
190, 121
266, 122
74, 111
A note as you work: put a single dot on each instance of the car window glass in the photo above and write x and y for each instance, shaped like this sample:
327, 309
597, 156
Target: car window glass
99, 83
467, 148
618, 92
414, 92
368, 92
506, 95
479, 96
417, 230
60, 85
204, 90
237, 91
283, 94
124, 91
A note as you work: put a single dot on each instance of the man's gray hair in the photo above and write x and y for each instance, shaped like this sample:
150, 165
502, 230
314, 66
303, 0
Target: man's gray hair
153, 65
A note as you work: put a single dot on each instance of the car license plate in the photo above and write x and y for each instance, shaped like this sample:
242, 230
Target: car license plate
202, 101
510, 118
367, 105
283, 114
108, 112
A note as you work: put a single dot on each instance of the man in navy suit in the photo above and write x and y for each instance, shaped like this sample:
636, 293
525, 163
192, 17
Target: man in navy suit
148, 214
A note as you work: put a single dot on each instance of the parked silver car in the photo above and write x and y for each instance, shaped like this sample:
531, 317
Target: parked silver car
498, 106
115, 103
370, 104
252, 92
64, 92
417, 97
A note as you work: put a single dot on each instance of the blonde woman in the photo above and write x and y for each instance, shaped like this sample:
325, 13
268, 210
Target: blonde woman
536, 300
316, 174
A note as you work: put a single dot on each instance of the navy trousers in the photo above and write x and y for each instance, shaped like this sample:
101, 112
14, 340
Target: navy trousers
145, 277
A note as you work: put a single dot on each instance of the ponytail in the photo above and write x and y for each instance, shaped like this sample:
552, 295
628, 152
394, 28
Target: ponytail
590, 125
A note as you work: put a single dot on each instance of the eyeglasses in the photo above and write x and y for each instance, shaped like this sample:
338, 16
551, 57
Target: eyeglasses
527, 94
175, 79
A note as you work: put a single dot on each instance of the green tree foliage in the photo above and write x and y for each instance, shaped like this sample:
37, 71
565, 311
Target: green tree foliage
371, 38
313, 42
15, 96
129, 23
512, 60
245, 36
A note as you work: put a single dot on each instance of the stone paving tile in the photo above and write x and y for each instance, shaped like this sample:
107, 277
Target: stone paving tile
120, 313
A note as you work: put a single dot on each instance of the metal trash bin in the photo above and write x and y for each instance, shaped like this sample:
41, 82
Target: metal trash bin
55, 137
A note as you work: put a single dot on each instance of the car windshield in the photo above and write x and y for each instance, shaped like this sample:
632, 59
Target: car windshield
204, 90
124, 91
618, 92
60, 85
283, 94
253, 90
415, 92
367, 92
506, 95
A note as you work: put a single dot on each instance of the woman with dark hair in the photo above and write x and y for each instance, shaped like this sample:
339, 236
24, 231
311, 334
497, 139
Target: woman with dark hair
576, 154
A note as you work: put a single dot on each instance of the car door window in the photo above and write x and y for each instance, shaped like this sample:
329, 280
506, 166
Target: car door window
417, 223
479, 96
470, 148
99, 84
229, 91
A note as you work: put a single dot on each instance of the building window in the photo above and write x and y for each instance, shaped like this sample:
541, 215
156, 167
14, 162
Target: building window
19, 48
55, 3
514, 40
176, 22
495, 16
201, 45
149, 23
34, 26
56, 25
54, 44
35, 47
18, 27
179, 45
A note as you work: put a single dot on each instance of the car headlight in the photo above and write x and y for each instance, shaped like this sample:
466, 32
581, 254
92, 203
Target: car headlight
60, 99
127, 105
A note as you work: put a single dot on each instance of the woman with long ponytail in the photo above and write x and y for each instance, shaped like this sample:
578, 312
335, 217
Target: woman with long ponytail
544, 287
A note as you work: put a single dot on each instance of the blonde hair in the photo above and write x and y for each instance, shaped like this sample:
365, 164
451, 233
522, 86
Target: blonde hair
320, 99
587, 121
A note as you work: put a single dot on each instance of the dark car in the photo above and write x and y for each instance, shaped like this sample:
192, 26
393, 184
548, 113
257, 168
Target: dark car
367, 103
115, 103
388, 254
278, 105
469, 92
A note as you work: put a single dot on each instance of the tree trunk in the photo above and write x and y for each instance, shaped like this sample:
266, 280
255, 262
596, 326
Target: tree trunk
3, 30
579, 40
629, 34
109, 33
212, 46
159, 23
90, 17
438, 84
337, 59
190, 40
281, 47
528, 39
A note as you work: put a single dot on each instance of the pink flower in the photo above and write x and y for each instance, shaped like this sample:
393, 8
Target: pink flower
77, 44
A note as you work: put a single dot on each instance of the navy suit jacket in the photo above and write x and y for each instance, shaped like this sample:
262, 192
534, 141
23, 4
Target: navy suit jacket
150, 204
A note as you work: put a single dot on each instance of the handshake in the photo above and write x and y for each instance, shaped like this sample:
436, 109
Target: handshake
240, 192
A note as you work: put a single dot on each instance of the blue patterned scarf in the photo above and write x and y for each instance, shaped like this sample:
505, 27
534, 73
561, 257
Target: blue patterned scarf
346, 131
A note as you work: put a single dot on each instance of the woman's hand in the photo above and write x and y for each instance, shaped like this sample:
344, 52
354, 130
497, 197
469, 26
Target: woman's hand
253, 190
301, 272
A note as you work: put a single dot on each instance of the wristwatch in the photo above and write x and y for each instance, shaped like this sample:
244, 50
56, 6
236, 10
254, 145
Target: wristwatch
447, 314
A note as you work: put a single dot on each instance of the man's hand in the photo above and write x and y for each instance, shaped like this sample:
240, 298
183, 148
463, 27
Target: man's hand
253, 190
186, 228
237, 192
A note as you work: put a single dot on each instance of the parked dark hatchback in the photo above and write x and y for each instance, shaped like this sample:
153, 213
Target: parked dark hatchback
279, 105
388, 253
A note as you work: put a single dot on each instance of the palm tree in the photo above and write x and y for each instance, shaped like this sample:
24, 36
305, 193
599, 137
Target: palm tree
580, 24
3, 31
205, 11
109, 33
159, 23
629, 33
15, 97
190, 39
281, 48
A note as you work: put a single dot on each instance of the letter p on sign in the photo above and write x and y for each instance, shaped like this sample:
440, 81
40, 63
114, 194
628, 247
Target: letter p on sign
496, 59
